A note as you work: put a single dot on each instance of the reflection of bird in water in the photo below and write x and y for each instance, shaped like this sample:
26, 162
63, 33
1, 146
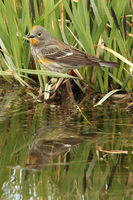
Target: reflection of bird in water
43, 151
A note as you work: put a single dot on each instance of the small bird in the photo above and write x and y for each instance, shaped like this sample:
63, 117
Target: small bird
57, 56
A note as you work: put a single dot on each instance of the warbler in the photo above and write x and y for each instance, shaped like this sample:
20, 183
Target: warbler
57, 56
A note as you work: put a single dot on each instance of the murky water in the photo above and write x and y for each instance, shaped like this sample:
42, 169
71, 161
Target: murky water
58, 153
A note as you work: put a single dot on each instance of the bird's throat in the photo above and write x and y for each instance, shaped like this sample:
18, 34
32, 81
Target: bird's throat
34, 41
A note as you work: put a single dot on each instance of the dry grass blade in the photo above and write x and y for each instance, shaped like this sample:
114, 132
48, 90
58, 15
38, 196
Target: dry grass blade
62, 15
122, 58
112, 151
106, 97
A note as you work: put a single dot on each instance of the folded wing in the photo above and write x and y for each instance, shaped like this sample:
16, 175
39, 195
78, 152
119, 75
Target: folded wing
63, 53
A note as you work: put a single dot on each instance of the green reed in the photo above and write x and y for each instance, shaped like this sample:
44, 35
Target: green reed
85, 24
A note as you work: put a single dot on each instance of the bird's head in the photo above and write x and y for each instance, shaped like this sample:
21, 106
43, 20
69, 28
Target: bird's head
38, 35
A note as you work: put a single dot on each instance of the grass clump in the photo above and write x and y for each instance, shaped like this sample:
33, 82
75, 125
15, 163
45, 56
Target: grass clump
98, 27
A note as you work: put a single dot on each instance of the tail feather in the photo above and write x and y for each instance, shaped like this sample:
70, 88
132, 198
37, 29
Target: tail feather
108, 64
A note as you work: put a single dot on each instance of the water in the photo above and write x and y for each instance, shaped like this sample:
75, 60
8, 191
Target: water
58, 153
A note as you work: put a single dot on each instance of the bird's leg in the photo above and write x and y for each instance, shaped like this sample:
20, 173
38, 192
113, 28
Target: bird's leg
55, 87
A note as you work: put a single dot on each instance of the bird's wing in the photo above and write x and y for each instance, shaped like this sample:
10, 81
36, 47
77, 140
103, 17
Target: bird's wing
61, 52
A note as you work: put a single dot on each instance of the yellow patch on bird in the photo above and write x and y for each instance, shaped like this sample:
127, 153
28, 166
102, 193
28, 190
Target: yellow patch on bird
32, 159
44, 60
34, 27
34, 41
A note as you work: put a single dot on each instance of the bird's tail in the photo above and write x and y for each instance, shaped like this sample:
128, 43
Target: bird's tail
108, 64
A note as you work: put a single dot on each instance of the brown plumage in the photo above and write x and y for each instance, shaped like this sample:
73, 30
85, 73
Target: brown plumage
55, 55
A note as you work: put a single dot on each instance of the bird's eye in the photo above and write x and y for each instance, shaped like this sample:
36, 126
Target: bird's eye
39, 34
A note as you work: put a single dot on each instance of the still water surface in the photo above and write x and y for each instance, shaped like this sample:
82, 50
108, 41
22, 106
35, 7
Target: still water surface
58, 153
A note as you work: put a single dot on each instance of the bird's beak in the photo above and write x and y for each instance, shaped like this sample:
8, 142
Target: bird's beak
28, 37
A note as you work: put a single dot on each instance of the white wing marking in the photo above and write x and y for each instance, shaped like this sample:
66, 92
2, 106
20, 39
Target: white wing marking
67, 54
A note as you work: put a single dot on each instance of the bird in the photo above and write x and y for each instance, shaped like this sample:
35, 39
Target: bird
56, 56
